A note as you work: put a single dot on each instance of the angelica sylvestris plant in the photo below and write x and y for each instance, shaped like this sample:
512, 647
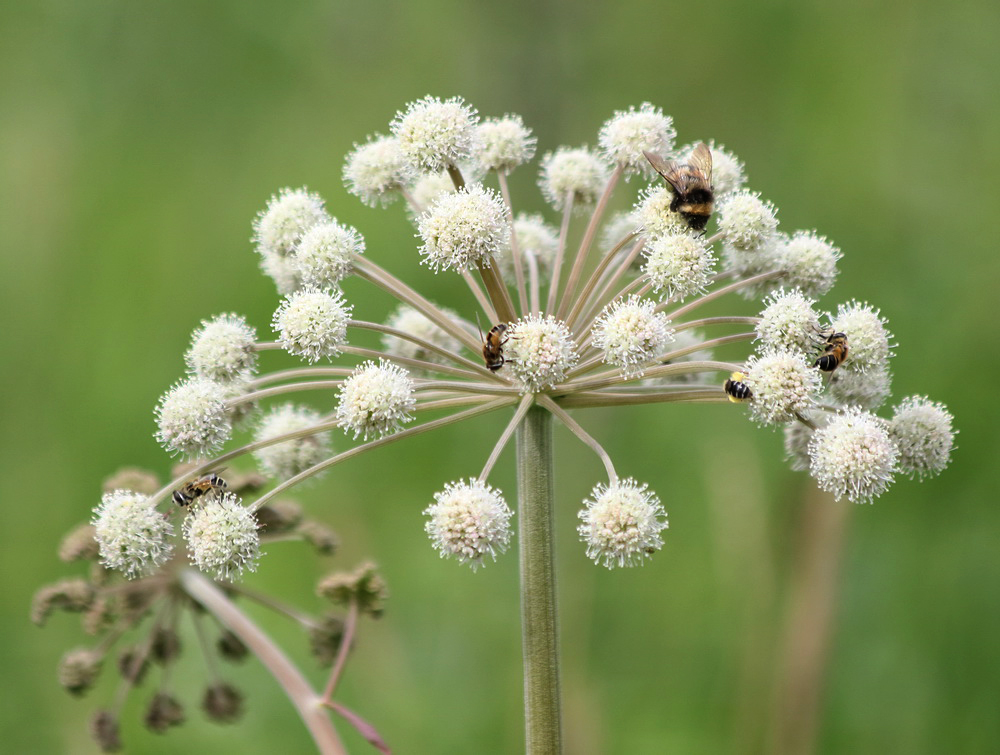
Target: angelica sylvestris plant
612, 320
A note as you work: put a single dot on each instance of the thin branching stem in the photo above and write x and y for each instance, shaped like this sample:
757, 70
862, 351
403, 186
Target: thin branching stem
300, 372
279, 390
350, 624
483, 299
592, 399
560, 252
535, 285
596, 276
420, 364
426, 345
589, 440
712, 295
522, 409
515, 248
614, 377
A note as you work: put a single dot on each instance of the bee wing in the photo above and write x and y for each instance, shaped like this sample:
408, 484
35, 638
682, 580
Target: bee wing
666, 168
701, 161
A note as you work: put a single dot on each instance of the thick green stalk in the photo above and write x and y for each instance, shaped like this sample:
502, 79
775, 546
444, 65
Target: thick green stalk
539, 622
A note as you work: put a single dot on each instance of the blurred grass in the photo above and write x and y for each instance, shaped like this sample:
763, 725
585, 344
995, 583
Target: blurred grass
137, 141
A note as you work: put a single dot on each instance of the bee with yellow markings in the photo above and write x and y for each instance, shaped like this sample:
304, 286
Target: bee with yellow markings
834, 352
736, 389
198, 487
493, 345
691, 184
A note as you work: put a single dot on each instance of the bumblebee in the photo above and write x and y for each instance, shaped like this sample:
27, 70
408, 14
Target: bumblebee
691, 184
736, 389
493, 346
210, 483
834, 352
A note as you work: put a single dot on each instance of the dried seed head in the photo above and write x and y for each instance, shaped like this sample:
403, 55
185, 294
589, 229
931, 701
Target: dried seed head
922, 430
80, 545
325, 256
504, 143
278, 517
853, 455
376, 400
78, 670
289, 214
626, 135
464, 229
789, 323
313, 324
622, 523
434, 134
166, 646
131, 534
631, 334
579, 172
469, 521
193, 419
540, 351
163, 712
222, 349
325, 637
67, 595
287, 459
377, 170
320, 537
222, 703
678, 265
231, 647
782, 383
364, 585
222, 537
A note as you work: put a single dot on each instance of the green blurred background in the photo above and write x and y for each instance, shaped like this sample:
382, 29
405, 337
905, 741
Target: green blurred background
138, 140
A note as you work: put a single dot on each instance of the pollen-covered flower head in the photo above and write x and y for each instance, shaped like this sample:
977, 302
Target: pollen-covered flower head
464, 229
809, 262
287, 459
853, 455
678, 265
312, 324
325, 256
655, 215
192, 418
922, 431
222, 349
789, 323
222, 537
782, 383
469, 520
288, 215
409, 320
631, 333
504, 143
535, 237
868, 389
540, 350
376, 400
622, 522
728, 173
132, 536
628, 133
434, 134
579, 172
747, 220
376, 171
868, 339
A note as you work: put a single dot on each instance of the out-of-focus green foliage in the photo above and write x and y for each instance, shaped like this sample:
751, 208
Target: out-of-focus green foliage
138, 140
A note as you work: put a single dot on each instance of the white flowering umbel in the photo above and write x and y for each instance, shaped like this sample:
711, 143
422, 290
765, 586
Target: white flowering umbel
654, 213
284, 460
922, 431
504, 143
869, 340
376, 400
312, 324
325, 255
291, 213
868, 389
631, 333
222, 537
789, 323
783, 384
192, 418
132, 535
469, 521
435, 134
853, 455
575, 174
622, 522
747, 221
809, 262
678, 265
541, 350
222, 349
463, 229
377, 171
535, 237
631, 132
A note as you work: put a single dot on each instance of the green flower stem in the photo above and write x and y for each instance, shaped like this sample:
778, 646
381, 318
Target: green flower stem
599, 274
515, 249
483, 300
677, 313
505, 435
583, 435
614, 377
560, 252
591, 399
539, 621
301, 694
